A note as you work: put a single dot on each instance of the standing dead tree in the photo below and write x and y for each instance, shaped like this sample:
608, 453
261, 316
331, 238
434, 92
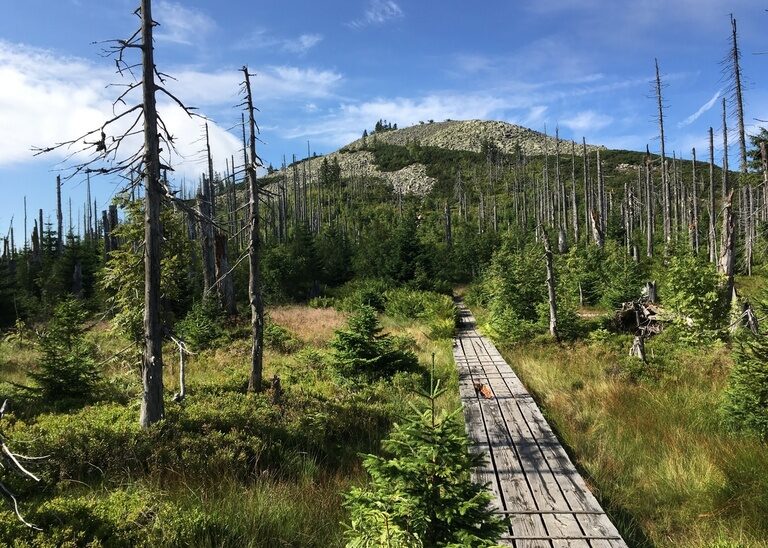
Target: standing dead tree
664, 175
551, 288
101, 151
254, 249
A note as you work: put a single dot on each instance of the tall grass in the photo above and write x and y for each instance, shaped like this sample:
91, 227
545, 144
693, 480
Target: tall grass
651, 443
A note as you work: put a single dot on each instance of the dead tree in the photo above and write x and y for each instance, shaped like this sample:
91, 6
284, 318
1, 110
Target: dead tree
664, 176
711, 239
649, 209
254, 249
574, 205
104, 151
59, 219
694, 225
728, 236
551, 288
207, 236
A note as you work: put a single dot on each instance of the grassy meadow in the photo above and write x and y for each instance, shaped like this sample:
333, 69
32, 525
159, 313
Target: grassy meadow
224, 468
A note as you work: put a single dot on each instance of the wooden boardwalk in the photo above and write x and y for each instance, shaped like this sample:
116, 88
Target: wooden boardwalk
535, 484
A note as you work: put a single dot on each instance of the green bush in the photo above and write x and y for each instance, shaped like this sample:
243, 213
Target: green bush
745, 404
420, 493
365, 292
691, 293
438, 311
360, 352
201, 327
67, 369
135, 517
280, 338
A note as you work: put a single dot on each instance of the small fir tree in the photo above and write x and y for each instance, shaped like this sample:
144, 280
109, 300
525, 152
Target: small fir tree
745, 402
422, 494
67, 369
362, 352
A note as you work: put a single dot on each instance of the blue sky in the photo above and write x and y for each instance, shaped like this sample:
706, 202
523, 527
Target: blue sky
327, 70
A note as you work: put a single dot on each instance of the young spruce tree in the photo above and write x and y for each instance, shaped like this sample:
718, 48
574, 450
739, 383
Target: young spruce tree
422, 495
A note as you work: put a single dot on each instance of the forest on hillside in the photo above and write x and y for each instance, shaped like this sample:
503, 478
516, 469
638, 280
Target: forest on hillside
264, 358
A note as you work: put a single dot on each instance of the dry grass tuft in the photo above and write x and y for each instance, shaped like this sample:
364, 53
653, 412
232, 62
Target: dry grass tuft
313, 326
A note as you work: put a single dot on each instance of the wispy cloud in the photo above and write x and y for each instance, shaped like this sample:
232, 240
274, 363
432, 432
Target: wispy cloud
347, 122
47, 98
587, 121
378, 12
303, 43
262, 39
702, 109
179, 24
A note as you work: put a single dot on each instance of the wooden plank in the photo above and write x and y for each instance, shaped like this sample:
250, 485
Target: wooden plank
527, 468
571, 483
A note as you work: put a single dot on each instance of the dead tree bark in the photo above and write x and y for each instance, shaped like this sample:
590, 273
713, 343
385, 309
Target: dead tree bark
59, 219
207, 237
551, 288
254, 250
694, 205
664, 177
727, 247
574, 205
597, 231
152, 406
638, 346
587, 201
711, 239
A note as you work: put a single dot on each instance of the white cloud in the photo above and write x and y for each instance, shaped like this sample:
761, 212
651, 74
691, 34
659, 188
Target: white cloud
378, 12
303, 43
46, 99
262, 39
273, 83
704, 108
348, 121
587, 121
179, 24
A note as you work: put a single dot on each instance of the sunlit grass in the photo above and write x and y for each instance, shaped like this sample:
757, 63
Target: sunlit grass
654, 450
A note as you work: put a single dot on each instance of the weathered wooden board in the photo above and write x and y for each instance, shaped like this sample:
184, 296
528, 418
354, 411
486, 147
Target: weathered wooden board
535, 484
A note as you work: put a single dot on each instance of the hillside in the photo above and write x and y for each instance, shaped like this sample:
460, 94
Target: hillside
362, 157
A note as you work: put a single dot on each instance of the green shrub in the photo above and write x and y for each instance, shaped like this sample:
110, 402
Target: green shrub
421, 493
135, 517
691, 292
201, 327
360, 352
280, 338
365, 292
67, 369
438, 311
745, 403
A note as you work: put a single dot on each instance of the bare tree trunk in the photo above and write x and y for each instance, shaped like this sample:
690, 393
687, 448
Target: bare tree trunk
574, 205
59, 219
152, 406
695, 208
664, 178
711, 237
551, 288
597, 231
207, 238
587, 201
254, 250
725, 266
739, 101
649, 217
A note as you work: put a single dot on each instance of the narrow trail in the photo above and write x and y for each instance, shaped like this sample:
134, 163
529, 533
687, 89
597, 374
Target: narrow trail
534, 482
